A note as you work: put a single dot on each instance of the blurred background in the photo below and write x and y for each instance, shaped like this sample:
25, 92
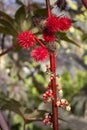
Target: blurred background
24, 80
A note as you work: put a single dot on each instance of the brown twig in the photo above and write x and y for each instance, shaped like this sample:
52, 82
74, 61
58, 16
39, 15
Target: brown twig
8, 50
3, 123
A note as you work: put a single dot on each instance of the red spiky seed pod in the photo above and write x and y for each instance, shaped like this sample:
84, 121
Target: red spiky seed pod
48, 35
40, 54
65, 23
26, 39
52, 23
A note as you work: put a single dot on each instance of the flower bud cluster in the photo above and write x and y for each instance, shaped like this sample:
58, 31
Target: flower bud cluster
48, 96
48, 119
63, 103
60, 91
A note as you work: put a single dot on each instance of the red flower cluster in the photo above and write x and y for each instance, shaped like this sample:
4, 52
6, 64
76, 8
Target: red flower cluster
48, 119
65, 23
26, 39
48, 96
54, 24
40, 53
48, 35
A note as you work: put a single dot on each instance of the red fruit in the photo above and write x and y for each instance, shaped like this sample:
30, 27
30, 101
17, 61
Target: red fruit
47, 93
26, 39
49, 86
50, 93
65, 23
48, 35
51, 78
53, 23
45, 122
40, 54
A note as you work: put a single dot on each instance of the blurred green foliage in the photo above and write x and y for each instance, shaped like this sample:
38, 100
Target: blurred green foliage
72, 84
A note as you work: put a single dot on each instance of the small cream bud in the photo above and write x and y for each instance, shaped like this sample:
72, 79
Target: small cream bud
60, 93
68, 108
58, 103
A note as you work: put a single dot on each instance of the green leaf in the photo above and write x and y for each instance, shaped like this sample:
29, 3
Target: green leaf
20, 19
36, 114
78, 105
6, 16
20, 14
6, 30
8, 25
61, 119
16, 126
41, 11
64, 37
28, 110
25, 25
9, 104
19, 2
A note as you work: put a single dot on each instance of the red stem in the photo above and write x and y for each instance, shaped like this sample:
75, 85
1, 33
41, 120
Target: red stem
48, 8
53, 79
53, 87
40, 42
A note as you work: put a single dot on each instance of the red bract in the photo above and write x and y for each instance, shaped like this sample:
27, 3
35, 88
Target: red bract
53, 23
26, 39
48, 35
65, 23
40, 53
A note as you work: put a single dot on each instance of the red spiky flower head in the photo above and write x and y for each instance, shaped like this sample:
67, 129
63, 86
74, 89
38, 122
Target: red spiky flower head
65, 23
53, 23
39, 54
26, 39
48, 35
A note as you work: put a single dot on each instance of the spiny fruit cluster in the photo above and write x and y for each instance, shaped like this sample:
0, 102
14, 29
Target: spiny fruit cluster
53, 24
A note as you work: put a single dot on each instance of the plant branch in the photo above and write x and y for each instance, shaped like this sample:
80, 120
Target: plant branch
3, 123
24, 125
2, 41
32, 119
8, 50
